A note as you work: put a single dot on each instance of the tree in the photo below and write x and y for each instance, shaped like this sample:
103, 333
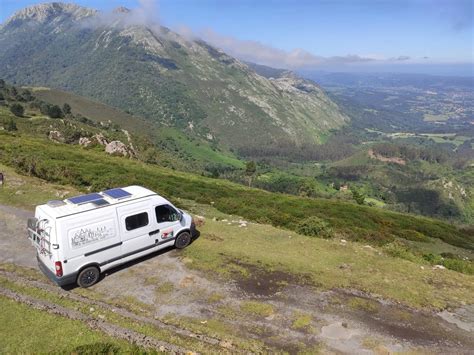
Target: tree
66, 108
55, 112
358, 196
250, 170
17, 110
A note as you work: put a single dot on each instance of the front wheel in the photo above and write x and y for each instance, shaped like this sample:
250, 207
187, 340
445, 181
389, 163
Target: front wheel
182, 240
88, 277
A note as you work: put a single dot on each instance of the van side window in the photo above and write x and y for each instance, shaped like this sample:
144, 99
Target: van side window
166, 213
136, 221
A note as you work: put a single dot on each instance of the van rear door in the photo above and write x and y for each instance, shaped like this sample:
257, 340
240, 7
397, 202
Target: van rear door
136, 227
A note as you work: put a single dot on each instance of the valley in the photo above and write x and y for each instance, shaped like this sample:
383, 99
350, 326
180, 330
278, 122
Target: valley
335, 210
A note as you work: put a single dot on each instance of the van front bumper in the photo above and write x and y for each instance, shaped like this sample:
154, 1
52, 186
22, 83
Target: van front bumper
60, 281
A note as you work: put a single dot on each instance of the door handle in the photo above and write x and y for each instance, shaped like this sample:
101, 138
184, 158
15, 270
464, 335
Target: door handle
154, 232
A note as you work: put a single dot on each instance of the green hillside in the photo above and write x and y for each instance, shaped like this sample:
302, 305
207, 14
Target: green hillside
66, 164
166, 78
416, 179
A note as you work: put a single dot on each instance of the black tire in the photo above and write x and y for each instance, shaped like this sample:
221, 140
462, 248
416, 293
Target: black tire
182, 240
88, 277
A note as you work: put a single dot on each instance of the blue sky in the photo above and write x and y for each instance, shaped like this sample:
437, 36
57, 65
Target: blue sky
366, 35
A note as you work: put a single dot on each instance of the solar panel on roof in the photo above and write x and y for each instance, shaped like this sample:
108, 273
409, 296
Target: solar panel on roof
117, 193
100, 202
79, 200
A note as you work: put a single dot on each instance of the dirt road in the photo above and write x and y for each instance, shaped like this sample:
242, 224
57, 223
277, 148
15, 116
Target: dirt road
14, 246
268, 308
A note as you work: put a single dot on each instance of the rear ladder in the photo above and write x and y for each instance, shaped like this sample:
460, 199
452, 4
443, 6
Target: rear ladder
39, 233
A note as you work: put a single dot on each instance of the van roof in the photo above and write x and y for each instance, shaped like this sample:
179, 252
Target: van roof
90, 202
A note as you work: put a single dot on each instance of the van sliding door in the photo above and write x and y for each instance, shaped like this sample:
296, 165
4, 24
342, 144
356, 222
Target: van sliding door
136, 223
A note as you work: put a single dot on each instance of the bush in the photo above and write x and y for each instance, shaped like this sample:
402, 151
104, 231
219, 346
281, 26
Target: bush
358, 196
464, 266
17, 110
66, 108
53, 111
315, 227
413, 235
399, 250
10, 125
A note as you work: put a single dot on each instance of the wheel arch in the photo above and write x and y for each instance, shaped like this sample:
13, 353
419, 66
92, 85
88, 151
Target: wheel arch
95, 264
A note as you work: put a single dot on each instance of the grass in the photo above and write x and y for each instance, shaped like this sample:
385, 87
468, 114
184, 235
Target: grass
257, 308
201, 151
93, 109
366, 305
301, 321
319, 261
27, 192
215, 298
73, 335
164, 288
63, 164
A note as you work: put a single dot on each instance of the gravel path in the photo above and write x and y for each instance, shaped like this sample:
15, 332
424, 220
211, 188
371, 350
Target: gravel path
14, 244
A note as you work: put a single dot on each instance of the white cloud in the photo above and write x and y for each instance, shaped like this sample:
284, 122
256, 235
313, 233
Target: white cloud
257, 52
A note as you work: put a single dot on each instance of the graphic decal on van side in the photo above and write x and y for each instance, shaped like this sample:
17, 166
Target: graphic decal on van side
91, 234
168, 233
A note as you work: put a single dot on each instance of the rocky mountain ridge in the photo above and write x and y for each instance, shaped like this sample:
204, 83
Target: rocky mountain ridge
169, 79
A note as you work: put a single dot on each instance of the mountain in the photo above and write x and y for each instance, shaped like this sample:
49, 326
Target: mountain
171, 80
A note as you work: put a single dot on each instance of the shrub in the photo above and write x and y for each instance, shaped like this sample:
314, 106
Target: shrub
17, 110
358, 196
413, 235
433, 259
399, 250
464, 266
315, 227
53, 111
66, 108
10, 125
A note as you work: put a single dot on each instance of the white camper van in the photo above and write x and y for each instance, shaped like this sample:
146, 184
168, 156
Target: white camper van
80, 237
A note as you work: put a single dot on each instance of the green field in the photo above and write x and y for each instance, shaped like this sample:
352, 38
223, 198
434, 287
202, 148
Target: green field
39, 332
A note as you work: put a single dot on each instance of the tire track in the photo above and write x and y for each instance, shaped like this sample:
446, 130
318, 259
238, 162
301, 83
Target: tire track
96, 324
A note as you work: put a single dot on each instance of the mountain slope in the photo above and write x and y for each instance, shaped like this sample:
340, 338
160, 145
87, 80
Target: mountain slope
166, 78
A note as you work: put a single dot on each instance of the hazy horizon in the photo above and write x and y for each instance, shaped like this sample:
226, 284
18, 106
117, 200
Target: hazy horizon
421, 36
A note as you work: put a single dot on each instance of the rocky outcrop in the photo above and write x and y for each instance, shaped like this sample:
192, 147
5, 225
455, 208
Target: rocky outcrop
85, 142
99, 137
56, 136
117, 148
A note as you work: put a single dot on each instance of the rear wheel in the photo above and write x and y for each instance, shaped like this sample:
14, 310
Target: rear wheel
88, 277
182, 240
